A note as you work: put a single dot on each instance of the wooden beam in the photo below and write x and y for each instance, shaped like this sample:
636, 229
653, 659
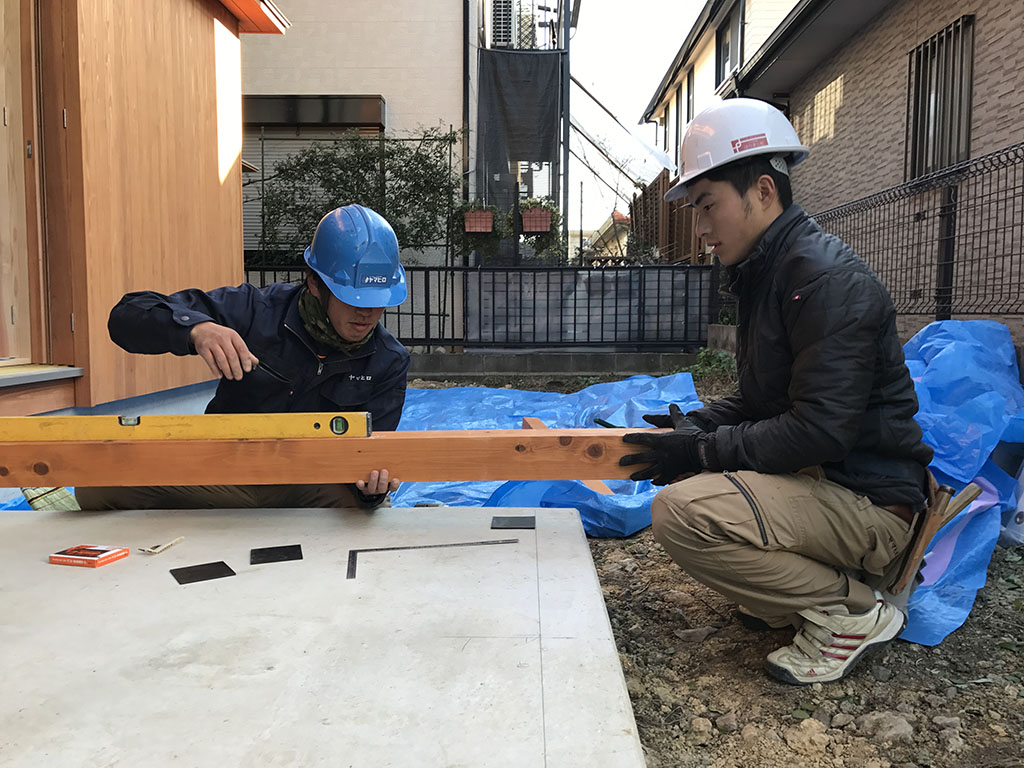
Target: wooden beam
552, 454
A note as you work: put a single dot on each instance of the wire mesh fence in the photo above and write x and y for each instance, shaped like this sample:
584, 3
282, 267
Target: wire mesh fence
951, 242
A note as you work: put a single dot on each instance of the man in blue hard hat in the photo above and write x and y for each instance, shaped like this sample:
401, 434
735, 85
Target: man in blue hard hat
316, 346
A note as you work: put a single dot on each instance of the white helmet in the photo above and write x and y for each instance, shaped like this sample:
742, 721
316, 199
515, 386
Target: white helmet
731, 130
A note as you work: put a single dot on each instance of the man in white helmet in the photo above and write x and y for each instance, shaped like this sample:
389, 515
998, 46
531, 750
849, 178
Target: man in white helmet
311, 347
800, 490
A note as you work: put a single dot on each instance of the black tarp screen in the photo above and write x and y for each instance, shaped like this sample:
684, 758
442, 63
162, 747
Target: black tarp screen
517, 117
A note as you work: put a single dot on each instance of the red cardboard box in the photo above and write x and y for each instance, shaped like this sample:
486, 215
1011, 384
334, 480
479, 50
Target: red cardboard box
88, 555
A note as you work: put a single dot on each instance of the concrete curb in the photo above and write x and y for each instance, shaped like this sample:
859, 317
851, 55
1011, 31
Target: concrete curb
439, 364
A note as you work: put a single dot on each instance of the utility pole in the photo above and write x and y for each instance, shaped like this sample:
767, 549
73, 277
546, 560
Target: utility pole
581, 223
566, 21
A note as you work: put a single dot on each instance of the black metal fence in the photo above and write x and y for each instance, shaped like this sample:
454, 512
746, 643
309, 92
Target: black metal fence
639, 308
948, 243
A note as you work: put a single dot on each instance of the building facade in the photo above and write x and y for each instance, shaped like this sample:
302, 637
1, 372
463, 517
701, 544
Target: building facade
853, 108
121, 156
911, 111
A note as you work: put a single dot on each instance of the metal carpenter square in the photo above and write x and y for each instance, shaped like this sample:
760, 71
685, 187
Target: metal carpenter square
353, 554
203, 572
275, 554
522, 522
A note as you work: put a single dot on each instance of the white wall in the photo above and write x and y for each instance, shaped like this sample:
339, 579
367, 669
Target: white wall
762, 17
408, 51
476, 18
703, 62
703, 59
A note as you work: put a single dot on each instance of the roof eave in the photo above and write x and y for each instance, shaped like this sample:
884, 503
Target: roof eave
829, 22
257, 16
696, 31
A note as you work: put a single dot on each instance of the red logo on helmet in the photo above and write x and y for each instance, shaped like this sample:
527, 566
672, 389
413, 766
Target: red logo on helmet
749, 142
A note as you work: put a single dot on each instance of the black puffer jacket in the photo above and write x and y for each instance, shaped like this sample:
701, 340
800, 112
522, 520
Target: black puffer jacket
822, 379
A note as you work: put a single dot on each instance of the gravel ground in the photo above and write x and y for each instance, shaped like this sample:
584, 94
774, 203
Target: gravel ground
701, 697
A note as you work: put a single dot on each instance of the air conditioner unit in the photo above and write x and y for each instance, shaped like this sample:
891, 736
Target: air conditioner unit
502, 19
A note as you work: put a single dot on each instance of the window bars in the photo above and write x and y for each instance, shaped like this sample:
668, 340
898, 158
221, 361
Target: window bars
939, 99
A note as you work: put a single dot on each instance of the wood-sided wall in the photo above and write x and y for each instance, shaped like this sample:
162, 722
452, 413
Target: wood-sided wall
160, 108
17, 236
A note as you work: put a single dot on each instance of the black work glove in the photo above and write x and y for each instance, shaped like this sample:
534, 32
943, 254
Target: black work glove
665, 420
366, 500
687, 449
674, 419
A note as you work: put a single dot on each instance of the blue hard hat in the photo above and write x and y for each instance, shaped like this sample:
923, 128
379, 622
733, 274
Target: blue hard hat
355, 252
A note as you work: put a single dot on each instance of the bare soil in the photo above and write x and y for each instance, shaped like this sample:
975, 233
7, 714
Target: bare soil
701, 697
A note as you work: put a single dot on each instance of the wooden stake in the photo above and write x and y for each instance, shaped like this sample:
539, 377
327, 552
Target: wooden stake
598, 486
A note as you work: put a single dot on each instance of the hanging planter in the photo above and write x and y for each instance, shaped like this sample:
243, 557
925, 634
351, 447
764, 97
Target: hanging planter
541, 228
536, 220
474, 226
478, 221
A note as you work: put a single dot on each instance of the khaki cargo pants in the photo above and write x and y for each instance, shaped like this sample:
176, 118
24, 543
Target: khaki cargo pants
216, 497
779, 543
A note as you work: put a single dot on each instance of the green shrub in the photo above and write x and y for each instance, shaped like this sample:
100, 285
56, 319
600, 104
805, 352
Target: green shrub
712, 363
410, 181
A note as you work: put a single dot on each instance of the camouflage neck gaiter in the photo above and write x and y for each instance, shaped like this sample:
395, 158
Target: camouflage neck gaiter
318, 325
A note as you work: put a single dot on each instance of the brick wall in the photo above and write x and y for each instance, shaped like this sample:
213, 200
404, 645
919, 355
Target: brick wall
852, 111
908, 325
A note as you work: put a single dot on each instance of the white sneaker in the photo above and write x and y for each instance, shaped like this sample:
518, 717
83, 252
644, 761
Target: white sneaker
832, 641
51, 499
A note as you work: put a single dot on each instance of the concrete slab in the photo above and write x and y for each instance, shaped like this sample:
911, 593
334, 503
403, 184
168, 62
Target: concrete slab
489, 654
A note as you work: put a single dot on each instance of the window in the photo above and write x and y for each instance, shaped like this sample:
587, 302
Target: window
727, 45
939, 99
689, 95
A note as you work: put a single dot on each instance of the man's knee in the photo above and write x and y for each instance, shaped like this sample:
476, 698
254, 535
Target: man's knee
96, 499
672, 512
693, 510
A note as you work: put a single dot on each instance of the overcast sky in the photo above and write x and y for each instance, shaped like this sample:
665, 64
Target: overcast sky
619, 52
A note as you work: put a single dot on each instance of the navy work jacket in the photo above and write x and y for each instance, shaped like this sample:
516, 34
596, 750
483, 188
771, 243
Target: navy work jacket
294, 375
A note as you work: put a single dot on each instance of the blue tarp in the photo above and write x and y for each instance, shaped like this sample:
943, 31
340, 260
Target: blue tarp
968, 390
622, 403
968, 387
